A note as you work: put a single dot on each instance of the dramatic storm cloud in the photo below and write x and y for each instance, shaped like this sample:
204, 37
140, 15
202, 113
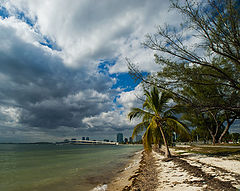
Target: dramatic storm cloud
62, 65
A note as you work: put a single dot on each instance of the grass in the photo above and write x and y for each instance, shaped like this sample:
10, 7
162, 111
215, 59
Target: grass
212, 151
231, 144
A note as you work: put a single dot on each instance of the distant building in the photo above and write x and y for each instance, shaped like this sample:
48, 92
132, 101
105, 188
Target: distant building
126, 140
73, 140
106, 140
130, 140
138, 138
120, 138
87, 138
83, 138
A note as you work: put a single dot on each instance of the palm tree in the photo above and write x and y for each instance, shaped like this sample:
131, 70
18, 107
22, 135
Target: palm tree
157, 119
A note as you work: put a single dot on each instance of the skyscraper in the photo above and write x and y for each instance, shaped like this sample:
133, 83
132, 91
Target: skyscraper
120, 138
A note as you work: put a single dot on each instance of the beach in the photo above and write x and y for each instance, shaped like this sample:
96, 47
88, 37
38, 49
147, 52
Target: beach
186, 171
123, 179
113, 168
139, 174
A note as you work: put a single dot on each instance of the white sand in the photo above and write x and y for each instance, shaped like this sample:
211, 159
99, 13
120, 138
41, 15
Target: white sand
229, 165
172, 177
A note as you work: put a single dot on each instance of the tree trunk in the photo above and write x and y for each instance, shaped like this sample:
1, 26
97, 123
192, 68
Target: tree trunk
217, 127
213, 140
167, 152
213, 136
229, 123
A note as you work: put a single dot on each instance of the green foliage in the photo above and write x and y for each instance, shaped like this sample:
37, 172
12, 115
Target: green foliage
156, 119
203, 78
204, 75
235, 137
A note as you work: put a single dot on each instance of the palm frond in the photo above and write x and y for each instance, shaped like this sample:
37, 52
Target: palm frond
147, 117
147, 138
151, 101
157, 118
169, 112
178, 126
136, 113
155, 97
164, 100
139, 128
156, 133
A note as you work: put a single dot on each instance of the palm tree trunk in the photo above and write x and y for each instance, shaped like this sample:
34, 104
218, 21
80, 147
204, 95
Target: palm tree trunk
167, 152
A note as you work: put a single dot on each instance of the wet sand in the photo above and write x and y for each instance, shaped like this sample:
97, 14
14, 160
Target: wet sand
140, 174
123, 179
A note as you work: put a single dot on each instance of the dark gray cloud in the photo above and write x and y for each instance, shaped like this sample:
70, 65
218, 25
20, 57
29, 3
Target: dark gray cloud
48, 94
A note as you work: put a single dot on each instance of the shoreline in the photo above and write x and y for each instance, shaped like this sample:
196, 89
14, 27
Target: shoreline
187, 171
123, 178
139, 174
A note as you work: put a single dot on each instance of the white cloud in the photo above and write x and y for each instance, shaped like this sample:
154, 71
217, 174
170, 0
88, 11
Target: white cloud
89, 30
110, 119
9, 115
131, 98
90, 95
117, 119
61, 87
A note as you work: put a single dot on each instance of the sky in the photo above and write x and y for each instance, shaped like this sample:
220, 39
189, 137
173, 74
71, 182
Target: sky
63, 70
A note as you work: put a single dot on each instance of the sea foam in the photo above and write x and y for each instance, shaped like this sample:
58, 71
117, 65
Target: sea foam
102, 187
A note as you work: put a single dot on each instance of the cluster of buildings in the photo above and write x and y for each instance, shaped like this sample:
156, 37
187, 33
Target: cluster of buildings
85, 140
125, 140
120, 140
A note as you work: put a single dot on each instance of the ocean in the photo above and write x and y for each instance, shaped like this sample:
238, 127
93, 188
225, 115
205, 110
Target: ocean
45, 167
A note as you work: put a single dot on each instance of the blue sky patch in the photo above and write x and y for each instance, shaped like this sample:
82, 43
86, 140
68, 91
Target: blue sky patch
21, 16
124, 80
50, 44
4, 13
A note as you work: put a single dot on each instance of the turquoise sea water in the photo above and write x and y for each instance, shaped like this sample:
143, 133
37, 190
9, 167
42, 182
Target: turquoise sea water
32, 167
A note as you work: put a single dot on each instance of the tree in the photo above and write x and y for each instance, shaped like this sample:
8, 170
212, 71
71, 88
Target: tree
200, 134
214, 123
235, 137
214, 61
229, 119
157, 118
211, 95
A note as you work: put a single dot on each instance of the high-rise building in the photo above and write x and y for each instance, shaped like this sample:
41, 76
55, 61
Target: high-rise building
120, 138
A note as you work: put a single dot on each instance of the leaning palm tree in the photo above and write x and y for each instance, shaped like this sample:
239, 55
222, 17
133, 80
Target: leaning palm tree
157, 119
